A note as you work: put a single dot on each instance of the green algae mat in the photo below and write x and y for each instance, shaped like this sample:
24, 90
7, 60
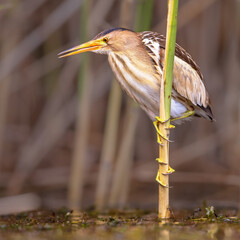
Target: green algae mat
64, 224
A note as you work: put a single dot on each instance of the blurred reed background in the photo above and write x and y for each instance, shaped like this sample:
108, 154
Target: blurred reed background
69, 137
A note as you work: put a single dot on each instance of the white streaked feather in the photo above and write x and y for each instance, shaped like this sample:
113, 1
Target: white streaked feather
142, 90
153, 45
155, 48
140, 74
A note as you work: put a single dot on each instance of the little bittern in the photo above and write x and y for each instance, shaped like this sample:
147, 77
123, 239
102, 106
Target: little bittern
137, 59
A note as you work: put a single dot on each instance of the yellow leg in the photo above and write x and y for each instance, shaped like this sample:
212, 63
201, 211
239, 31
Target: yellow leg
156, 123
185, 115
159, 134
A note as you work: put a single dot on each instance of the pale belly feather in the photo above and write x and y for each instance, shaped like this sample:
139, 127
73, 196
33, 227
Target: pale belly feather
146, 96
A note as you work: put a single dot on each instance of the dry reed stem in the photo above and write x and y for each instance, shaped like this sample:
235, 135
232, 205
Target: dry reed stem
165, 108
111, 127
120, 185
109, 146
31, 152
52, 132
77, 171
39, 143
34, 39
6, 84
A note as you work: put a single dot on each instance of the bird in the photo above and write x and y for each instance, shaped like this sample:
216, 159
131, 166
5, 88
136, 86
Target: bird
137, 60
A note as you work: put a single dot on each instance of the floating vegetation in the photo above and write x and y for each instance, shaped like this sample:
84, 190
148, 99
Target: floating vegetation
64, 224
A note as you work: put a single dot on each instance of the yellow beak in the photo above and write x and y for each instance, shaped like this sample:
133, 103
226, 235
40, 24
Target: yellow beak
85, 47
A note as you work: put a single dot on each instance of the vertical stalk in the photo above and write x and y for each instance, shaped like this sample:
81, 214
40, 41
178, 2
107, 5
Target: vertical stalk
120, 186
76, 182
111, 127
238, 124
109, 145
144, 15
165, 108
5, 84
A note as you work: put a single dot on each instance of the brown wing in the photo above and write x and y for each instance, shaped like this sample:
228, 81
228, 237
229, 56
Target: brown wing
187, 77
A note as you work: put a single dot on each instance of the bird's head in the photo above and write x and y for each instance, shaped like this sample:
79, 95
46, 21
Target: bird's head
111, 40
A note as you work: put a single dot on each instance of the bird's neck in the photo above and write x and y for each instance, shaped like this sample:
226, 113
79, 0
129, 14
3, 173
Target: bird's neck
140, 69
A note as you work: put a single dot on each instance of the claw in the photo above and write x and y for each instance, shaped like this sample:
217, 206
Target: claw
169, 171
170, 127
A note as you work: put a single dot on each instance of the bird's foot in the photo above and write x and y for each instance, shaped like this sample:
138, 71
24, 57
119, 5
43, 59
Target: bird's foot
159, 120
169, 171
160, 182
159, 134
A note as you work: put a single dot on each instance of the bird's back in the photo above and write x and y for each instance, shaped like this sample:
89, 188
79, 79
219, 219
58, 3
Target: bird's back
188, 84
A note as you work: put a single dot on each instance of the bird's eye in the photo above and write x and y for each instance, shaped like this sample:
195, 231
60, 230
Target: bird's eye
105, 39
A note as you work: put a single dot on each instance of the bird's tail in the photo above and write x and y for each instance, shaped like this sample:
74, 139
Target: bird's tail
205, 112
